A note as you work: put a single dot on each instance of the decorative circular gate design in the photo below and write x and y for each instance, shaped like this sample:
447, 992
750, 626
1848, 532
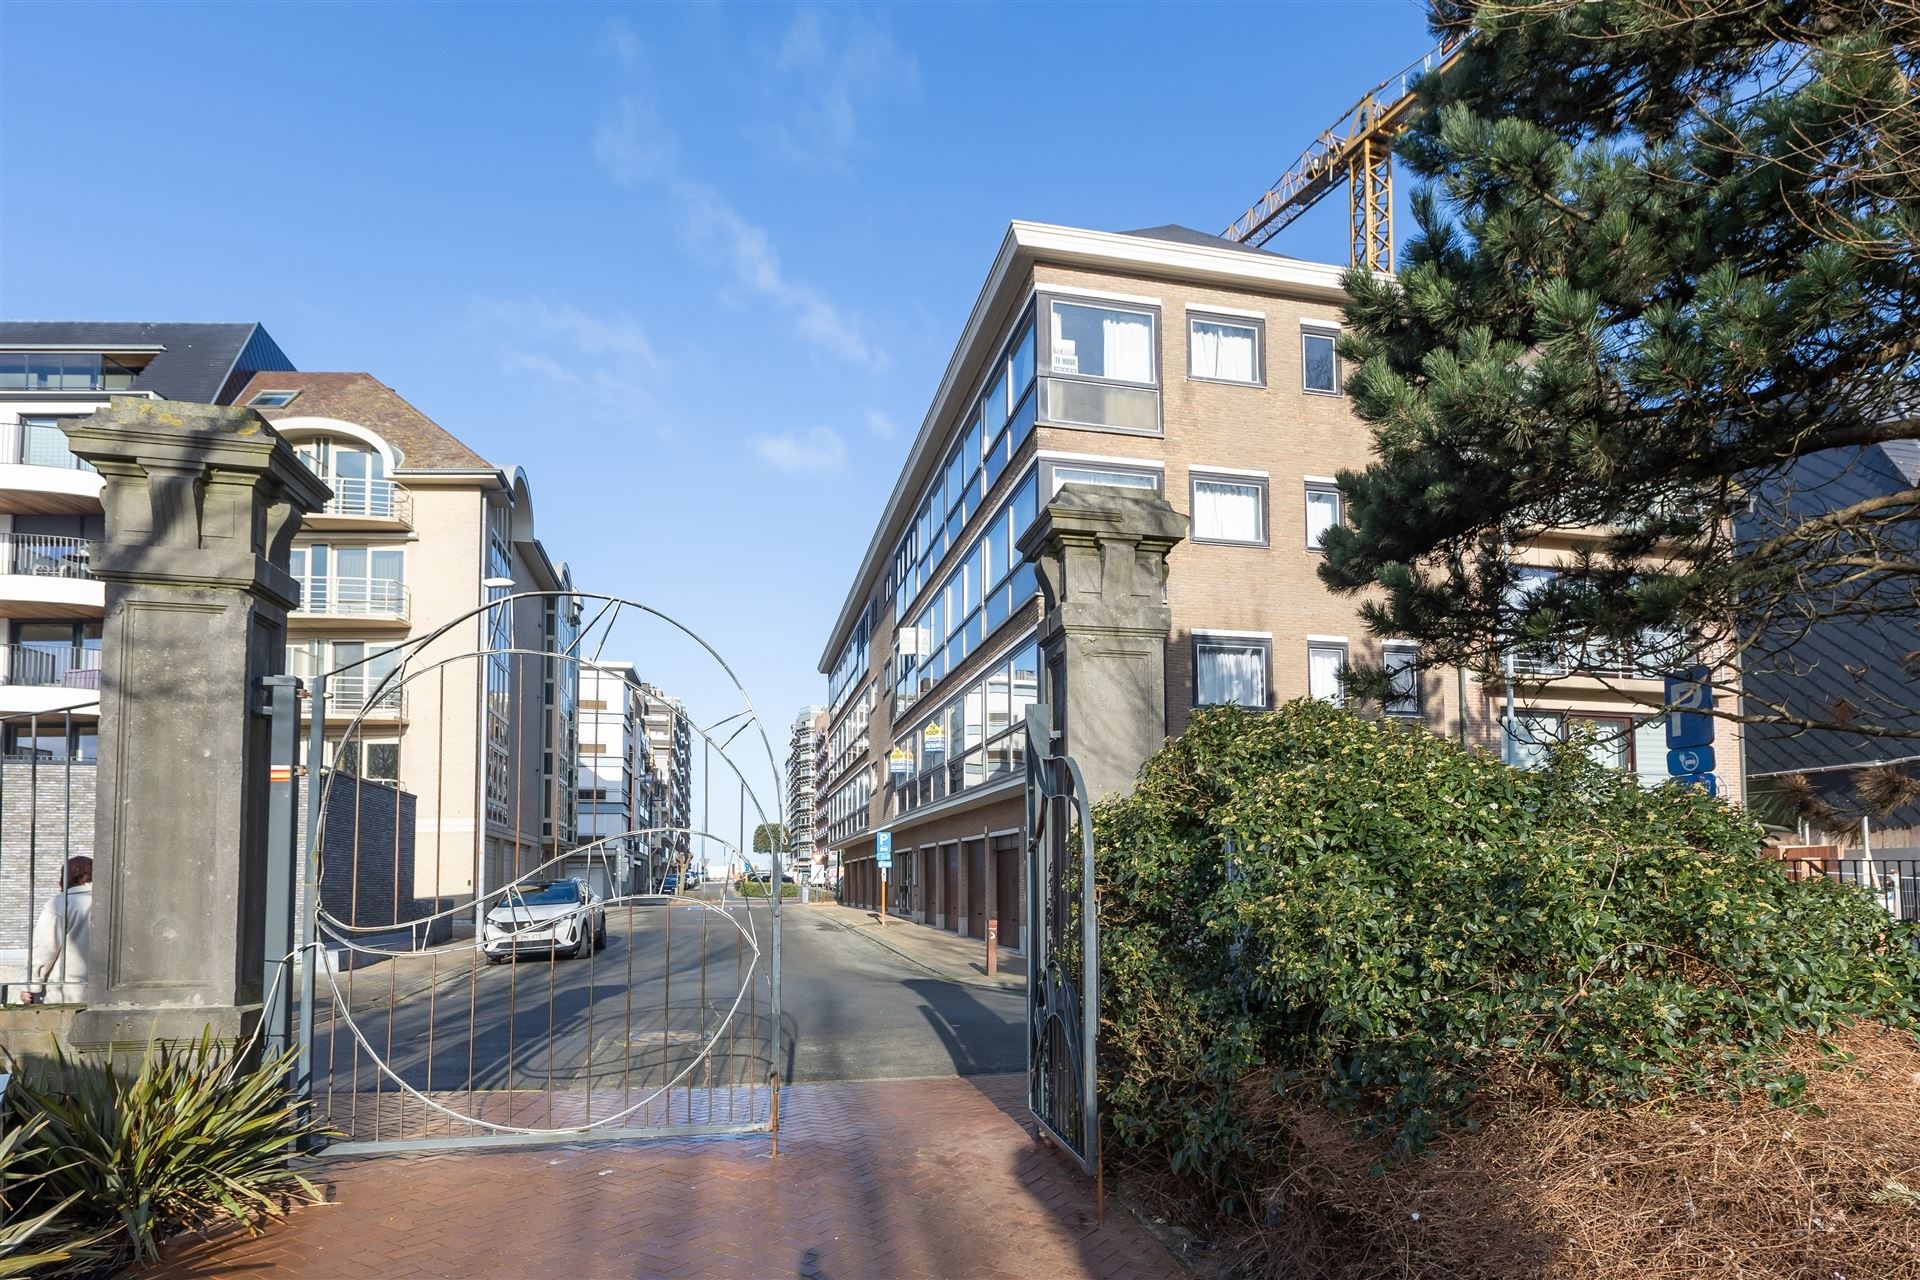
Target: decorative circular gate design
489, 953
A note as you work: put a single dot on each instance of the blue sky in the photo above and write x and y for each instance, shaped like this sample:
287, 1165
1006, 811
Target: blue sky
697, 269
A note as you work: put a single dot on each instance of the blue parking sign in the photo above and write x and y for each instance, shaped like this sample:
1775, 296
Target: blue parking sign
1689, 704
883, 849
1705, 781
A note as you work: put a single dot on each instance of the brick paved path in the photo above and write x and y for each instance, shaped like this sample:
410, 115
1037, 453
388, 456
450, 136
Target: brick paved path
907, 1179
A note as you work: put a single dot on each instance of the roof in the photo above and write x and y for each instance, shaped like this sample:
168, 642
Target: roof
362, 399
1905, 457
1174, 233
204, 363
1163, 253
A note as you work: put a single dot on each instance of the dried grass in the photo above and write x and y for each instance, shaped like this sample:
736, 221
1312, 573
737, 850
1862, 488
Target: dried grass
1539, 1188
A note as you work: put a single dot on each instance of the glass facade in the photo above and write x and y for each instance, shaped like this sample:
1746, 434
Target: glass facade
974, 738
63, 371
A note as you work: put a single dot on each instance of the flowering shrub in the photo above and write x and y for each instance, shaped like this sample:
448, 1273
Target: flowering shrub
1312, 901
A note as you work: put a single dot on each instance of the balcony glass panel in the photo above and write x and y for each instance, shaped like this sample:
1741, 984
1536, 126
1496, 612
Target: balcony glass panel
1096, 404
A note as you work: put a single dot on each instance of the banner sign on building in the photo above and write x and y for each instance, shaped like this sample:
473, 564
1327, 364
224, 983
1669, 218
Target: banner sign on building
898, 762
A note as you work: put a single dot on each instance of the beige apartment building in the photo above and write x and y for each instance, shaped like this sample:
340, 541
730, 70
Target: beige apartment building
1165, 360
422, 531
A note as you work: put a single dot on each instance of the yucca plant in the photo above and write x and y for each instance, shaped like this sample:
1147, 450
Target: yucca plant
37, 1237
190, 1139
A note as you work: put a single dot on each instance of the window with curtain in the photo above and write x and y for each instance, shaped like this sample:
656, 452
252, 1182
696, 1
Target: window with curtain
1403, 679
1325, 662
1319, 363
1102, 342
1323, 512
1110, 476
1223, 351
1229, 673
1227, 510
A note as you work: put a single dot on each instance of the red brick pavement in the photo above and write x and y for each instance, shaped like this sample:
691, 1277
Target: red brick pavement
914, 1179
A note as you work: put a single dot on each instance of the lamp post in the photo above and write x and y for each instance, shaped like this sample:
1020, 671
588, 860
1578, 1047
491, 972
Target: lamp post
706, 778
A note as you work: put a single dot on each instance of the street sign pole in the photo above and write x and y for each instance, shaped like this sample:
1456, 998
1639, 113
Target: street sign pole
883, 862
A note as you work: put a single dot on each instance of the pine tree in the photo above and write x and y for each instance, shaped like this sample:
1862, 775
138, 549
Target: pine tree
1665, 251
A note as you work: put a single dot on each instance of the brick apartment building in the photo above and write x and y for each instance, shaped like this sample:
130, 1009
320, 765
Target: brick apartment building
1165, 360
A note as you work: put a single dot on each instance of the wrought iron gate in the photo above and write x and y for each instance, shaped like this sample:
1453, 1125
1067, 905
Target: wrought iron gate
1063, 950
475, 970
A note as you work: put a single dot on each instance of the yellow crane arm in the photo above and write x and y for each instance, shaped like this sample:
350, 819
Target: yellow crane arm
1355, 150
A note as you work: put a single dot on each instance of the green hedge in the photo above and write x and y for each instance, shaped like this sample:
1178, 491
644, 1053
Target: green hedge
1311, 900
758, 889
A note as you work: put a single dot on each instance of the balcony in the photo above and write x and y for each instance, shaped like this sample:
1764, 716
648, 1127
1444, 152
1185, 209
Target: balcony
374, 599
360, 693
50, 666
43, 555
360, 499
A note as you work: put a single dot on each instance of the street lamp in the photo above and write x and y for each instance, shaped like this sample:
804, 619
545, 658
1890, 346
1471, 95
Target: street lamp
706, 777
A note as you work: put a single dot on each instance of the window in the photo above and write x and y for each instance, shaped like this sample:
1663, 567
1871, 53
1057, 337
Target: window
1229, 509
272, 400
1102, 342
1323, 512
1319, 363
1230, 671
1223, 350
1401, 662
1118, 477
1530, 736
1611, 745
1326, 661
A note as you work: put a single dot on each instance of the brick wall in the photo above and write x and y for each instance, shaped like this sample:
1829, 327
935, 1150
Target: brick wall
366, 854
46, 816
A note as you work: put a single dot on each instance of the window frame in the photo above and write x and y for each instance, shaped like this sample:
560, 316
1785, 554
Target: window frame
1261, 641
1257, 325
1049, 464
1257, 481
1311, 488
1332, 334
1345, 650
1410, 648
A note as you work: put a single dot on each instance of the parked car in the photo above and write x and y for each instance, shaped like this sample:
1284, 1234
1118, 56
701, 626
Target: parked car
670, 883
563, 918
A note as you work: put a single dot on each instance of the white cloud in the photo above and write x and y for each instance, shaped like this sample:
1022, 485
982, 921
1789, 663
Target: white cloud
879, 423
636, 149
822, 78
606, 361
820, 449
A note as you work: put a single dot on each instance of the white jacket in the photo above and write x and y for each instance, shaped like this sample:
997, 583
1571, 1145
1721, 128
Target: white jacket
60, 945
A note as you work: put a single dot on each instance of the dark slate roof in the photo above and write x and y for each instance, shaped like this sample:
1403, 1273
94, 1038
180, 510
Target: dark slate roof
201, 362
1178, 234
1905, 456
365, 401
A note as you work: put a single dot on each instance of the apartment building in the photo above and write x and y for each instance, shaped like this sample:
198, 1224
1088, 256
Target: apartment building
50, 605
614, 776
670, 752
1165, 360
422, 531
808, 727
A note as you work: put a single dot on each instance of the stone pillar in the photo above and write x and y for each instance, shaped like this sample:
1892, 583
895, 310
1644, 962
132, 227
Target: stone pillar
1101, 556
202, 505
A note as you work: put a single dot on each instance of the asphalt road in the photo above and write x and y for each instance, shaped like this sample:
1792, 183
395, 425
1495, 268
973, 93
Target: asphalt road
670, 982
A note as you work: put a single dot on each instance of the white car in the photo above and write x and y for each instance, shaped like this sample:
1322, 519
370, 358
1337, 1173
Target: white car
558, 917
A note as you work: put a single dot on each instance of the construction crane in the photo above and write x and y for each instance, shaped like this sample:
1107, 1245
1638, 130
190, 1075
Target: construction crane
1357, 150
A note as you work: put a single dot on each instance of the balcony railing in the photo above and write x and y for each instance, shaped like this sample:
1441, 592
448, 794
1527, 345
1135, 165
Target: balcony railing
38, 444
1592, 660
352, 692
43, 555
369, 500
56, 666
355, 598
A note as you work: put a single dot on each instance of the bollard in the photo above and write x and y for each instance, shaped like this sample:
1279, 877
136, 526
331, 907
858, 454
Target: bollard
993, 948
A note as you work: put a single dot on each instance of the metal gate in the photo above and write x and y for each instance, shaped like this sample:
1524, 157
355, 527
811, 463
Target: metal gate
1063, 951
477, 970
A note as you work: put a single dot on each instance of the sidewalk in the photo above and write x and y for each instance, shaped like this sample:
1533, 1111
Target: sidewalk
945, 955
877, 1180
